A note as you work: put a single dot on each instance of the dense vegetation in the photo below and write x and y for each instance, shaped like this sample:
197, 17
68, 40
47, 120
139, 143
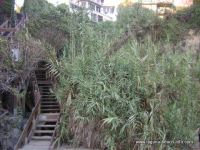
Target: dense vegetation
6, 7
147, 89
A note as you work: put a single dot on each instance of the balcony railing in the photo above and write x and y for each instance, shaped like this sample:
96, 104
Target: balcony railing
98, 2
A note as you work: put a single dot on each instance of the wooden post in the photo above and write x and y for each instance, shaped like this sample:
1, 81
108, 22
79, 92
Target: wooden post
26, 140
34, 122
15, 100
23, 105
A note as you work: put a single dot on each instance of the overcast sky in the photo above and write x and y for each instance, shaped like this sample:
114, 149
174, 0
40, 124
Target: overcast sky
107, 2
56, 2
19, 2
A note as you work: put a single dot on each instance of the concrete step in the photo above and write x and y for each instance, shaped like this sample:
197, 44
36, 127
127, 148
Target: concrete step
39, 143
48, 99
41, 69
44, 131
29, 147
47, 122
49, 102
40, 75
42, 87
45, 90
46, 109
48, 96
41, 137
49, 106
45, 126
51, 117
47, 93
50, 111
41, 79
45, 86
45, 82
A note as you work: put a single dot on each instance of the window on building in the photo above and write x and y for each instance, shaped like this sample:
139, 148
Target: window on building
100, 18
112, 9
74, 6
102, 1
106, 10
98, 9
92, 6
83, 4
93, 17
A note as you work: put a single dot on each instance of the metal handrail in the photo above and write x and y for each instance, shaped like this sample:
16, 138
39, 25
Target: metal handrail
52, 145
30, 125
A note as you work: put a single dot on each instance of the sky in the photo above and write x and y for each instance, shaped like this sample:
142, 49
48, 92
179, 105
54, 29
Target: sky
20, 3
107, 2
57, 2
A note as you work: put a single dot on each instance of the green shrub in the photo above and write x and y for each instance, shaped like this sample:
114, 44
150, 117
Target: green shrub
191, 16
137, 94
140, 93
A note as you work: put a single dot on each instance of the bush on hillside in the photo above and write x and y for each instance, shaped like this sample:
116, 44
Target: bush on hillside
141, 92
190, 16
137, 94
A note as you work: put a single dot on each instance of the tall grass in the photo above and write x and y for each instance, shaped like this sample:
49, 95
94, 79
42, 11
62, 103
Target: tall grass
139, 93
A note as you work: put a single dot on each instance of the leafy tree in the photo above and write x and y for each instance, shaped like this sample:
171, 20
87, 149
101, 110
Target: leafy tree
63, 9
36, 7
135, 14
6, 7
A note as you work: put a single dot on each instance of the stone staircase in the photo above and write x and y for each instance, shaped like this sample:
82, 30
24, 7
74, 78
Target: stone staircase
47, 120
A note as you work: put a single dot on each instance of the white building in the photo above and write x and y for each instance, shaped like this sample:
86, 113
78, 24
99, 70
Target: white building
98, 10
